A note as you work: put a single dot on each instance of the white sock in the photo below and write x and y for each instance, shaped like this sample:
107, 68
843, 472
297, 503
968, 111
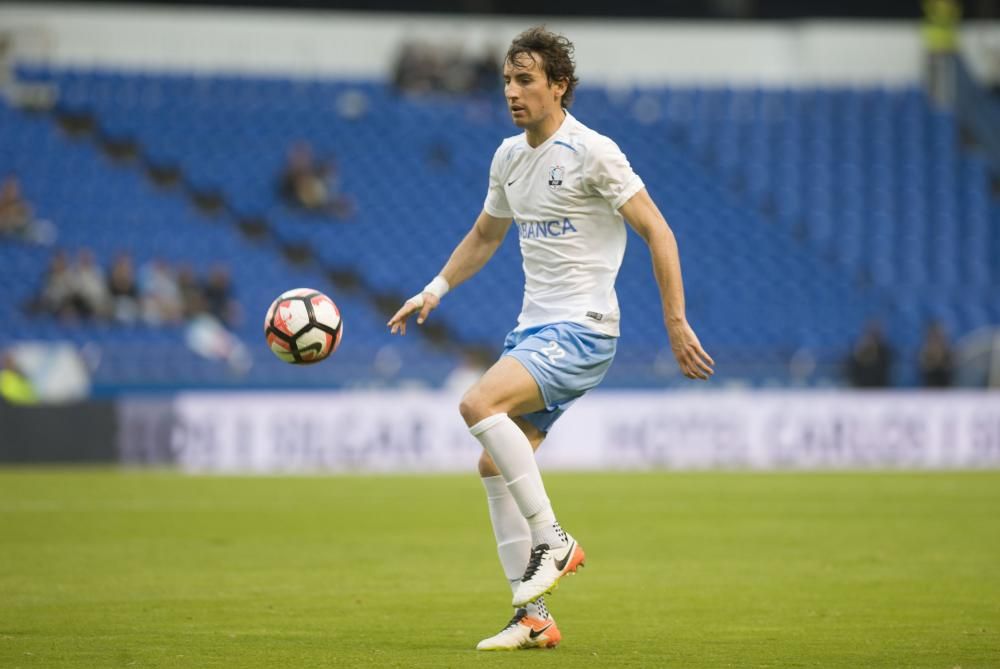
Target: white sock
510, 529
513, 538
512, 453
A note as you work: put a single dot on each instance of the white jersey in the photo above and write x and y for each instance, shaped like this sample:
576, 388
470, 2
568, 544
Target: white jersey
564, 197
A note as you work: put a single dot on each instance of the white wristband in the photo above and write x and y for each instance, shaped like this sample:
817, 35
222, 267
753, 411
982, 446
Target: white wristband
437, 287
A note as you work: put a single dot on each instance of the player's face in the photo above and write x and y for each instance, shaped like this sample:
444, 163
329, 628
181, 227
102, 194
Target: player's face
531, 97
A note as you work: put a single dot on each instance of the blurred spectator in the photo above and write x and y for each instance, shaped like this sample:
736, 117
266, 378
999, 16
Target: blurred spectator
870, 363
488, 72
457, 73
77, 290
418, 69
161, 296
15, 387
192, 297
17, 218
15, 212
302, 181
313, 185
57, 288
208, 338
90, 290
123, 289
936, 364
218, 296
423, 68
6, 62
940, 30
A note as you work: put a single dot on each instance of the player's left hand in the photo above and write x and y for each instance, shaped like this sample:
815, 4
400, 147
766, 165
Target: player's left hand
692, 358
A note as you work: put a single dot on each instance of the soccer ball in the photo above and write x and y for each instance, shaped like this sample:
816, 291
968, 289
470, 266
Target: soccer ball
303, 326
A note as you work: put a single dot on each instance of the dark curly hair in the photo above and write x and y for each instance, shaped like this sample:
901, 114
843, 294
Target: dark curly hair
557, 57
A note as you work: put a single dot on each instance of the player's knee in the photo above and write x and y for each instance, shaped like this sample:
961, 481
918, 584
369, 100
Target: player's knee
474, 407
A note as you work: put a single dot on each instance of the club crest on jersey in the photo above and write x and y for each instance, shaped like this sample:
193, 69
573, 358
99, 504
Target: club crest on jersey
556, 176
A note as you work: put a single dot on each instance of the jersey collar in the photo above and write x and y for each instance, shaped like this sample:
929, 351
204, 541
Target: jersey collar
566, 123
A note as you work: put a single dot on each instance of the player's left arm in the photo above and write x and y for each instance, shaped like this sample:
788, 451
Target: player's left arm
645, 218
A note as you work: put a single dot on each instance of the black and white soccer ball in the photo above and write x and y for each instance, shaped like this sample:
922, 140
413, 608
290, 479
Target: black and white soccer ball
303, 326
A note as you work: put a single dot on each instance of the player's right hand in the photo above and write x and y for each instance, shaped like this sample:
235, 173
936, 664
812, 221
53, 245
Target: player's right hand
424, 303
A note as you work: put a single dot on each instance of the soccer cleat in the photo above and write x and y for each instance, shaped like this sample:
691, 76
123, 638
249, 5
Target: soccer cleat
523, 632
545, 567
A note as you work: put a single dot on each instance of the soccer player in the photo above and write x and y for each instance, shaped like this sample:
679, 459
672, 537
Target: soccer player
567, 189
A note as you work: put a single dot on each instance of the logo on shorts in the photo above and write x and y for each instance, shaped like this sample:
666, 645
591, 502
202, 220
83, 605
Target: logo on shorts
556, 176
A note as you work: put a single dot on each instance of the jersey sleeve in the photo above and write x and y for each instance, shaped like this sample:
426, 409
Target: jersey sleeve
496, 204
608, 173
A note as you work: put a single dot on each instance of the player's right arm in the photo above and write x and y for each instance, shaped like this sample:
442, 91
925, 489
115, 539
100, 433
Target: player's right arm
473, 252
470, 256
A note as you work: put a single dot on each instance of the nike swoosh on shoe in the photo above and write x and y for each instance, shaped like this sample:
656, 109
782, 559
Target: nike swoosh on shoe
561, 564
534, 634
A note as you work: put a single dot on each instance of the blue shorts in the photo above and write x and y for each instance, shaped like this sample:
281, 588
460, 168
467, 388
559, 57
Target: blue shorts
565, 359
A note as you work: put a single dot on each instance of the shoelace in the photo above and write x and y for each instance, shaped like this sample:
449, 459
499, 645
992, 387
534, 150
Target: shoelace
520, 613
535, 561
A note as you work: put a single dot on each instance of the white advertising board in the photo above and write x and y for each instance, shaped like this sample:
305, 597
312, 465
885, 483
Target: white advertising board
423, 432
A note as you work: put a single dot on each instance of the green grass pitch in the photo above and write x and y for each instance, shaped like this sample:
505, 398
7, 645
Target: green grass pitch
106, 568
